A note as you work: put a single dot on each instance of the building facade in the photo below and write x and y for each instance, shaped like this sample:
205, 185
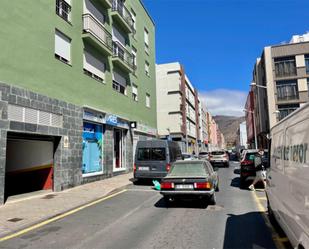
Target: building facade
177, 106
281, 83
203, 127
80, 86
250, 119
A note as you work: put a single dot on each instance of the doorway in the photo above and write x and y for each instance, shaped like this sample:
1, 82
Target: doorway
29, 164
119, 150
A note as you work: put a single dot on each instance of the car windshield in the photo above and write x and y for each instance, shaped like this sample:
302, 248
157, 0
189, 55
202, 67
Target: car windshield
188, 169
251, 156
151, 154
217, 153
203, 153
186, 156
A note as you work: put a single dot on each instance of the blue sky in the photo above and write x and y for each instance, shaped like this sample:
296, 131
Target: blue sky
218, 41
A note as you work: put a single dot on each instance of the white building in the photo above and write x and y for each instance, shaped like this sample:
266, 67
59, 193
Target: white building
176, 106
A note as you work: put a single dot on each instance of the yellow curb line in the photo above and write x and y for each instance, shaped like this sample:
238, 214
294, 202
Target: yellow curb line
26, 230
277, 240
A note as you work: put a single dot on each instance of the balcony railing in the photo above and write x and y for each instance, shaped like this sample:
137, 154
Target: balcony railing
124, 55
123, 12
94, 27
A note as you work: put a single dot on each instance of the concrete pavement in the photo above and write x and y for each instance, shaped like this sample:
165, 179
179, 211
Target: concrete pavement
20, 213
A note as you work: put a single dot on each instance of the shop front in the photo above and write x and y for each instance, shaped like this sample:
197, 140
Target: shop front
107, 145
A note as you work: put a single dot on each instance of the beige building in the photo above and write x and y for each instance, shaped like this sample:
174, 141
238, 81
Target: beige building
281, 78
177, 106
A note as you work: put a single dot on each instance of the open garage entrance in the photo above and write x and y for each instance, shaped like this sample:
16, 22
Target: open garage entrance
29, 163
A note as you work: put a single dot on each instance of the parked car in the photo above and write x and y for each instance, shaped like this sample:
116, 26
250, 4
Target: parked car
203, 155
188, 156
247, 168
219, 157
288, 176
153, 158
190, 179
233, 156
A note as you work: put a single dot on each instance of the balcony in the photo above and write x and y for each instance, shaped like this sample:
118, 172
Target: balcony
106, 3
122, 58
122, 16
97, 35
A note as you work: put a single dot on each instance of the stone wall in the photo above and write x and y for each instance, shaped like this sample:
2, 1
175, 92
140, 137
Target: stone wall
67, 161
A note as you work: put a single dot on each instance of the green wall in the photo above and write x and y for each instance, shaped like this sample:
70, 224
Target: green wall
27, 37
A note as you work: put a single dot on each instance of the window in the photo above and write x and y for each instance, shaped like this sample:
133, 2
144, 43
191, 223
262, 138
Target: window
285, 66
63, 9
307, 63
287, 90
133, 14
146, 40
151, 154
285, 110
62, 47
90, 8
147, 100
93, 66
147, 68
134, 53
119, 83
134, 93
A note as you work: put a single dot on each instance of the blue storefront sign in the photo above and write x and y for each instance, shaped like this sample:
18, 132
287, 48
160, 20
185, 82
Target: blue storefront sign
92, 148
111, 120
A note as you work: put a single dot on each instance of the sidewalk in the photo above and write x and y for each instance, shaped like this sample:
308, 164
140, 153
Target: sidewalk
32, 210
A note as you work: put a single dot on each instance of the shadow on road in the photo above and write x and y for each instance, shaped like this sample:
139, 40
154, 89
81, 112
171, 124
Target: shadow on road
235, 182
237, 171
247, 231
197, 204
142, 182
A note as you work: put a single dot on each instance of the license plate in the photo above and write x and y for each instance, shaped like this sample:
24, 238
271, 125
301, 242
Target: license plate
143, 168
184, 186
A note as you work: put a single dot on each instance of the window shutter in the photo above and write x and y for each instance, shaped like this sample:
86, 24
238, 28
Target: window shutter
93, 65
134, 90
117, 36
62, 45
89, 8
119, 79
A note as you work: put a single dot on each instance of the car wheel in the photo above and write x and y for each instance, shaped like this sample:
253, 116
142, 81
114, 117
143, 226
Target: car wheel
270, 213
227, 165
212, 199
217, 187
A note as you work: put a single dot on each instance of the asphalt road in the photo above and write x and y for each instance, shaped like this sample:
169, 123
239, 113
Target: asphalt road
139, 218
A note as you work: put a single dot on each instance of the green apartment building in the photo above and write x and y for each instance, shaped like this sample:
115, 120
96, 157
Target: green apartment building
77, 89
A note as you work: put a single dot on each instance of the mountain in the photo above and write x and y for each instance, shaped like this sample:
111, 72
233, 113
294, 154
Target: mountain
229, 125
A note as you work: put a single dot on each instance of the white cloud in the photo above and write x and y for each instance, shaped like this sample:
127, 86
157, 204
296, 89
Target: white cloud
224, 102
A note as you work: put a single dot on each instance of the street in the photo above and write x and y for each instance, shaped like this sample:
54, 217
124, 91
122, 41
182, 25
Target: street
139, 218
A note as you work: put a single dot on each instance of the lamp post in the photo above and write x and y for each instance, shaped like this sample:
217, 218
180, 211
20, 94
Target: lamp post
255, 85
254, 127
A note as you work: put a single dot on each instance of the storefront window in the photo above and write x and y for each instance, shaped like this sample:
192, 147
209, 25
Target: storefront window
92, 148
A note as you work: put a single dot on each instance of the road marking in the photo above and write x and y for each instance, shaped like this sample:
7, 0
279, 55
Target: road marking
275, 236
43, 223
262, 198
142, 190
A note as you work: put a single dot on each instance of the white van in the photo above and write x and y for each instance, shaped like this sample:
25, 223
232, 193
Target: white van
288, 177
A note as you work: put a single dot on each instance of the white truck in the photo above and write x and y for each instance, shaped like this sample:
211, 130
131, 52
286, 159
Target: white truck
288, 176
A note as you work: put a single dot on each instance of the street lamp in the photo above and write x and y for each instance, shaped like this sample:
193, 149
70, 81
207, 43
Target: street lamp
255, 137
255, 85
